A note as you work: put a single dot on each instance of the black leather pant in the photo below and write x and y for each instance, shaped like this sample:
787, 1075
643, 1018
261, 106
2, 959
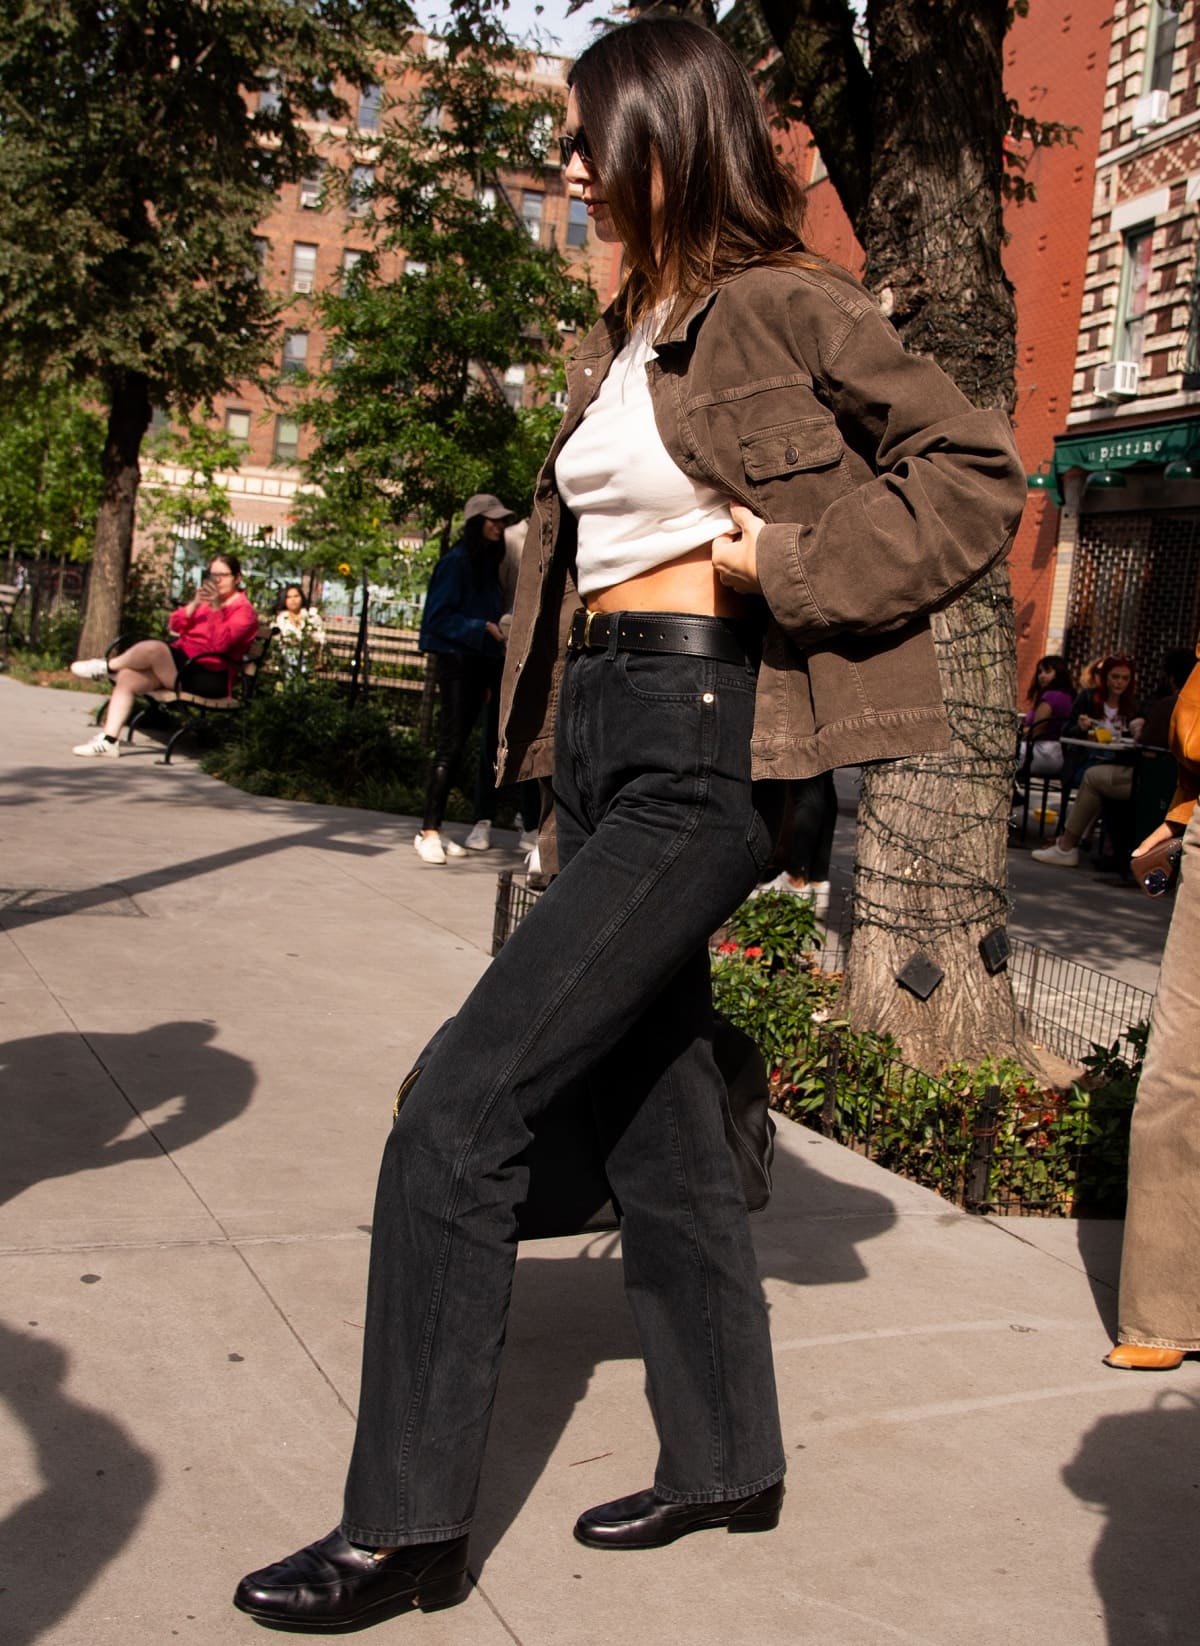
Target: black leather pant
464, 682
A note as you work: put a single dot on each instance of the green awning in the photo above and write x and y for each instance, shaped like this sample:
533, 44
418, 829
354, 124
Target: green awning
1156, 444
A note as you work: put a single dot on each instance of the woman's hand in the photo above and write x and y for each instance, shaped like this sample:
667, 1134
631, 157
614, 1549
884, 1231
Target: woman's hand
496, 632
1085, 722
1164, 831
735, 554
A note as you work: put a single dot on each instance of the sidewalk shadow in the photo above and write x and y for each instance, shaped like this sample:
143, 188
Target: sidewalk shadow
325, 836
168, 1080
95, 1484
1140, 1469
569, 1316
1100, 1253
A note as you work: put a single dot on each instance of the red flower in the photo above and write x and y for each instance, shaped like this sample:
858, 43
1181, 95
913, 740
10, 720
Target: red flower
727, 948
754, 952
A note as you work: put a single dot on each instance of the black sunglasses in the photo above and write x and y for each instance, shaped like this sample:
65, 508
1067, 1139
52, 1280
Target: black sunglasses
575, 143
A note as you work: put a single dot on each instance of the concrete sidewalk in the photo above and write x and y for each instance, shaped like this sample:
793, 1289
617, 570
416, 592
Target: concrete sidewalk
207, 1000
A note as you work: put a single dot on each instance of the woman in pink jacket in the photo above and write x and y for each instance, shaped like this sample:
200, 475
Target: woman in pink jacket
210, 636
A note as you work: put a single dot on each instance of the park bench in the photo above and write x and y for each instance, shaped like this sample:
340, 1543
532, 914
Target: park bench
393, 659
191, 703
10, 595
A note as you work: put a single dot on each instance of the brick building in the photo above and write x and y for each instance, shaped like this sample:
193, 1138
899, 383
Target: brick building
309, 241
1126, 460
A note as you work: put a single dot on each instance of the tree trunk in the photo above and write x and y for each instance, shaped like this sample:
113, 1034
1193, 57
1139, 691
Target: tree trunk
128, 420
932, 832
930, 871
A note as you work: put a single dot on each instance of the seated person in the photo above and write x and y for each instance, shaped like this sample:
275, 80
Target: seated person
299, 629
1109, 703
210, 636
1110, 781
1050, 699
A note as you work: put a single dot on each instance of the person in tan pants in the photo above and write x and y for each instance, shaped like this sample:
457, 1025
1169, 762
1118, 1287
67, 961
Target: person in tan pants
1158, 1314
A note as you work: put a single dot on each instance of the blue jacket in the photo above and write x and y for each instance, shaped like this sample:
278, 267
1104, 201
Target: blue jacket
462, 599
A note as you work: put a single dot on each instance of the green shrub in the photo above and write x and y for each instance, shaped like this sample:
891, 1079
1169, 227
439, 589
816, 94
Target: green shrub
1058, 1151
301, 740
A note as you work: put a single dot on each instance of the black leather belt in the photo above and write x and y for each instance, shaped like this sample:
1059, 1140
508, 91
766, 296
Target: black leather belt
659, 632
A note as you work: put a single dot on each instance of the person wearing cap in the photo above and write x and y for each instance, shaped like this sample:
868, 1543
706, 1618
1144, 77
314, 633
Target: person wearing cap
460, 626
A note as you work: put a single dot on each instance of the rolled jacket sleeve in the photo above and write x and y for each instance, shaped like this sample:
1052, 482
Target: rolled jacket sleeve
942, 506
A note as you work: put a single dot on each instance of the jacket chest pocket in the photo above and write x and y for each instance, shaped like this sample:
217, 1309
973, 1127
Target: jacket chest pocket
790, 448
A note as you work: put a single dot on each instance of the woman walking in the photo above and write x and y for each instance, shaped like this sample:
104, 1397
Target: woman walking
754, 498
460, 625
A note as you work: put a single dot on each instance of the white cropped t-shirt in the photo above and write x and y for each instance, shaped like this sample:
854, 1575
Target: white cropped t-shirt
635, 507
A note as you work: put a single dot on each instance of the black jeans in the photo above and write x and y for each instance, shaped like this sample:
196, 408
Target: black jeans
464, 682
605, 984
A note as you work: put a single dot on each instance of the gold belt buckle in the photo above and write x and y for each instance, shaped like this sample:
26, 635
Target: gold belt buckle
587, 630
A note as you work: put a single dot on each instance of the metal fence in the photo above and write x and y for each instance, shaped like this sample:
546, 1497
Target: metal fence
1031, 1152
1066, 1007
1070, 1008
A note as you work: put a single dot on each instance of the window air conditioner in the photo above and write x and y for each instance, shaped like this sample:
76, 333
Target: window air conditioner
1118, 380
1152, 110
302, 282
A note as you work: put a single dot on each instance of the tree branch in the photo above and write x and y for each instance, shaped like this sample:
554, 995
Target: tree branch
833, 88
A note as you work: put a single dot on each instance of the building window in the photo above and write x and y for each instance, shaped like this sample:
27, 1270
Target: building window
514, 386
486, 198
237, 426
295, 352
350, 261
370, 107
304, 266
268, 98
1160, 46
415, 266
1135, 292
287, 439
312, 187
531, 213
577, 222
360, 189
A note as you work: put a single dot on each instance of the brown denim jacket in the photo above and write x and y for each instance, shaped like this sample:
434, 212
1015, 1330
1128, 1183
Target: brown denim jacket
885, 491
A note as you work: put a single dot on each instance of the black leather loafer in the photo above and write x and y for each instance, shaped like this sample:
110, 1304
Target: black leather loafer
647, 1521
334, 1585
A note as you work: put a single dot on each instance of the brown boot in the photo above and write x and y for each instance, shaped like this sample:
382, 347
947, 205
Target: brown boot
1143, 1357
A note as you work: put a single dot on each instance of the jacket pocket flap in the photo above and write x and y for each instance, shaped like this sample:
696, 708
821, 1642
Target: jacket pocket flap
813, 443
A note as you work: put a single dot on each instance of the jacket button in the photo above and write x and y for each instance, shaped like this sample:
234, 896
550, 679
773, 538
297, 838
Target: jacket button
791, 455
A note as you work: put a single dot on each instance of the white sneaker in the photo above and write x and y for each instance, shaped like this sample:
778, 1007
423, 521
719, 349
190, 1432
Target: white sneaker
1065, 857
429, 848
90, 668
452, 848
528, 840
98, 747
480, 837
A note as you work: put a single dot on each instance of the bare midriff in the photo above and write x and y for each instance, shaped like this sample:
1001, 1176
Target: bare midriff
688, 584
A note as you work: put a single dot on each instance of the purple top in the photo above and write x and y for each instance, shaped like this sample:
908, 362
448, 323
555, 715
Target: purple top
1060, 713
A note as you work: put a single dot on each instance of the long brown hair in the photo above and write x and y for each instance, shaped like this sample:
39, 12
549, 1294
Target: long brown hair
666, 93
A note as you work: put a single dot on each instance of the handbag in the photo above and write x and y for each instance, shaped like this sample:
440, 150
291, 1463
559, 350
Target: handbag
568, 1188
